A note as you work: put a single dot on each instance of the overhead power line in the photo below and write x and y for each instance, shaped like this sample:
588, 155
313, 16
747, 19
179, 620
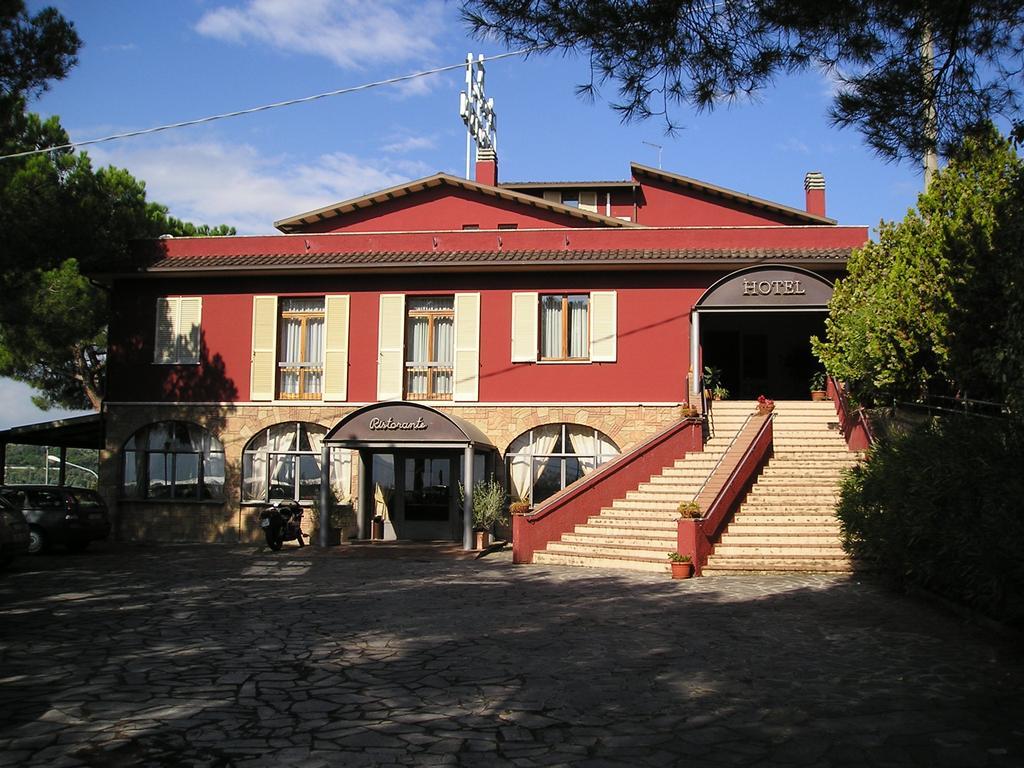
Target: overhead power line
264, 107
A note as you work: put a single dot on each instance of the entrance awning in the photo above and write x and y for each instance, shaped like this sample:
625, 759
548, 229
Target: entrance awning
768, 287
405, 424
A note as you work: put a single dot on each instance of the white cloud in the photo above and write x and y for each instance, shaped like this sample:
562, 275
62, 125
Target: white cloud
410, 144
217, 183
351, 33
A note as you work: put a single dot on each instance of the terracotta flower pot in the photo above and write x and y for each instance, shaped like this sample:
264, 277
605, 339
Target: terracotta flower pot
817, 395
681, 570
481, 539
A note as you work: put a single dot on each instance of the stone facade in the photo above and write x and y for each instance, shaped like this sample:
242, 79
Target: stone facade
235, 425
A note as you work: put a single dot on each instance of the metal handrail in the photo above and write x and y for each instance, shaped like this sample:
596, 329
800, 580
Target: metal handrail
724, 454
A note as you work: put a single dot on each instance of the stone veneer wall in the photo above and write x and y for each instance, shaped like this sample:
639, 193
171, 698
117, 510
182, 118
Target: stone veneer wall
229, 522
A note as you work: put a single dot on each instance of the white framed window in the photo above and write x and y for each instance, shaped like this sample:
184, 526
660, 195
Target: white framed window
569, 327
300, 346
545, 459
565, 327
178, 324
429, 348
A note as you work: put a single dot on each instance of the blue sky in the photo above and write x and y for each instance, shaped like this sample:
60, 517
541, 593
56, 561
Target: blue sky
147, 63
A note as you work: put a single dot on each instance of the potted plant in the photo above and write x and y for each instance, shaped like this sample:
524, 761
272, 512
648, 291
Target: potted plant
335, 522
489, 500
682, 565
818, 392
519, 507
689, 510
713, 383
765, 405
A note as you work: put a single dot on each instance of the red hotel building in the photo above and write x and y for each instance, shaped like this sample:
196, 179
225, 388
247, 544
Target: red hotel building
525, 330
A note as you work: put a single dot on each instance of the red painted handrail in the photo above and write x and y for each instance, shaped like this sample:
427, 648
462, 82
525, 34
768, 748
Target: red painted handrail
585, 498
854, 425
695, 537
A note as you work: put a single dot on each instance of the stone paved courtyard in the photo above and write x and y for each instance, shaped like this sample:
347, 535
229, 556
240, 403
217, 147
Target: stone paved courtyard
229, 656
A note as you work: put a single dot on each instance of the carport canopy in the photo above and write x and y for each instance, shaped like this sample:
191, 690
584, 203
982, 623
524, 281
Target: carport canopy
73, 432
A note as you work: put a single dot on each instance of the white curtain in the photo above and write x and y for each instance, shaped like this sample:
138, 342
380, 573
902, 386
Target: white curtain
291, 347
578, 326
417, 344
444, 345
314, 354
551, 327
592, 447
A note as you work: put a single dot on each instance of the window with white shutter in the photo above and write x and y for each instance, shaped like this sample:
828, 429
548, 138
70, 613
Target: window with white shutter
178, 324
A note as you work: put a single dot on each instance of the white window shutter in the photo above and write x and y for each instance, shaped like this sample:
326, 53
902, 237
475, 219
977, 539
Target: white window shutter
588, 201
603, 326
524, 327
190, 315
391, 347
163, 340
336, 347
467, 347
263, 378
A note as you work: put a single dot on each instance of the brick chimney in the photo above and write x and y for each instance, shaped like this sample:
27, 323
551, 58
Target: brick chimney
487, 167
814, 186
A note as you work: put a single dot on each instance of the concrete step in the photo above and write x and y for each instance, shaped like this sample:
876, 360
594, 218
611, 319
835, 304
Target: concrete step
631, 522
757, 565
663, 541
730, 550
638, 513
596, 549
801, 517
780, 537
622, 563
611, 528
743, 529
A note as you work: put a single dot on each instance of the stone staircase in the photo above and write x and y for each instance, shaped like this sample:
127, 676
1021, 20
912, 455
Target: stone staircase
637, 532
786, 523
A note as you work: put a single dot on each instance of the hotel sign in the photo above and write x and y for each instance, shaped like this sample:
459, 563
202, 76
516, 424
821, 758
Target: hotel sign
773, 287
769, 288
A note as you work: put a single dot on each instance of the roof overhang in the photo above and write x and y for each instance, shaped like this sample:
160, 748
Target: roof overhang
74, 432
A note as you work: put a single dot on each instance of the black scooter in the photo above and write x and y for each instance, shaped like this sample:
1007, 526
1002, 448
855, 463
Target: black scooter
281, 522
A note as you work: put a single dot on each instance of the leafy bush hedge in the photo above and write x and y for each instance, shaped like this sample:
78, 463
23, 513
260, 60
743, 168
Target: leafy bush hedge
942, 506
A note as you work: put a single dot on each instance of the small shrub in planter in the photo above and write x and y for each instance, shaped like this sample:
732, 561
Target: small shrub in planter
689, 510
519, 507
682, 565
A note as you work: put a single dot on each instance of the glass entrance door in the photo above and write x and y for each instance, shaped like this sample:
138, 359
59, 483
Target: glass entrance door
429, 496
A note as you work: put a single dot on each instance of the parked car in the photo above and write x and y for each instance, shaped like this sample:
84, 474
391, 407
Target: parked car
63, 515
14, 535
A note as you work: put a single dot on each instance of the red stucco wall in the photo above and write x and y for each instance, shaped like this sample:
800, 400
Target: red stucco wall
652, 355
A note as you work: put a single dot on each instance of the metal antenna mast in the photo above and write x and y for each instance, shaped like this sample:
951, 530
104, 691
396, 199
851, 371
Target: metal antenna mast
657, 147
477, 111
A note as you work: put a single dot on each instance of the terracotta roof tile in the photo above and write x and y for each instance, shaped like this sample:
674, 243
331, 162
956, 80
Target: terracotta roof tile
495, 258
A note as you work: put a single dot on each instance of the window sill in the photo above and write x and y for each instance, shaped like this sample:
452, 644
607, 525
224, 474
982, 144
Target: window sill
564, 362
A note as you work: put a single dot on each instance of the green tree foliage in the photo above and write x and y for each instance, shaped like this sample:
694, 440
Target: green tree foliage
661, 53
939, 507
61, 219
932, 307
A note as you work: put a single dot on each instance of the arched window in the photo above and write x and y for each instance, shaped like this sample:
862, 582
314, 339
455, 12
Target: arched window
545, 459
283, 462
174, 460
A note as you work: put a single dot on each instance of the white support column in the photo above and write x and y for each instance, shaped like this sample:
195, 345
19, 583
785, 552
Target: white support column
363, 496
325, 492
698, 375
467, 504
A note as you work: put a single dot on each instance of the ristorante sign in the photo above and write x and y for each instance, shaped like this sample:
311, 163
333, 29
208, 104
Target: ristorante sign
392, 424
396, 423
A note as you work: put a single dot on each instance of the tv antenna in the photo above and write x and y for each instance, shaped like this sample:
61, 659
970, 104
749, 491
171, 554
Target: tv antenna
657, 147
